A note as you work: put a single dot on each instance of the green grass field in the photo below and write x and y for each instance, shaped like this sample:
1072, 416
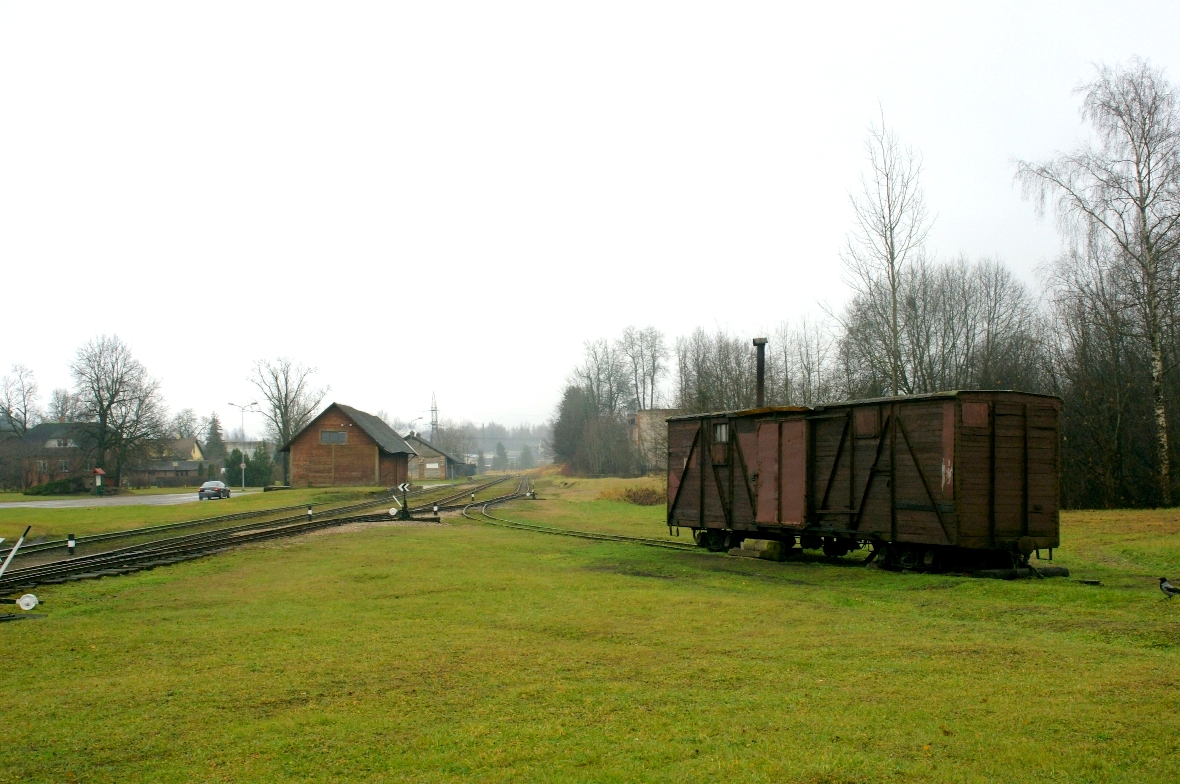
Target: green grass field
56, 523
468, 652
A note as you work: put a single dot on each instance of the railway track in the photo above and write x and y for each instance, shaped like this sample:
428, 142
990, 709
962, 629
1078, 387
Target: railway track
131, 533
524, 489
174, 549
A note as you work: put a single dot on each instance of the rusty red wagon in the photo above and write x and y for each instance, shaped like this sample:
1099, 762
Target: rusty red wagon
926, 481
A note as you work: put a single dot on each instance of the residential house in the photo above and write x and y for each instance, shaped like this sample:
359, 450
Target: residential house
49, 451
174, 462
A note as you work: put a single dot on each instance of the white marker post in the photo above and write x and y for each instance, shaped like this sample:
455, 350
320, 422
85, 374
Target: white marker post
12, 552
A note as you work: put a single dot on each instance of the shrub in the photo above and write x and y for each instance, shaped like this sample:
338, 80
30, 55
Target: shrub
71, 486
638, 495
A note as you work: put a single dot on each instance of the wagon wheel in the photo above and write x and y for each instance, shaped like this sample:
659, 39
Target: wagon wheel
835, 548
709, 538
909, 558
733, 539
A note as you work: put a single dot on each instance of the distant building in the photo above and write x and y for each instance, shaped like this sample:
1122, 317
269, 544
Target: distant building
430, 462
183, 449
648, 432
173, 462
49, 451
246, 447
345, 446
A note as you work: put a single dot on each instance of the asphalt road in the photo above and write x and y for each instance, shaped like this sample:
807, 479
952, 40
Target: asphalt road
169, 499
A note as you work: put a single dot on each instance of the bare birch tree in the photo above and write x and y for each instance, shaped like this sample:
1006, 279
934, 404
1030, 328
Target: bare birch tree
603, 375
890, 233
289, 401
1127, 186
646, 353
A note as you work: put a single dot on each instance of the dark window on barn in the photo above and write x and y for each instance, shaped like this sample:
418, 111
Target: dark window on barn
63, 466
721, 433
333, 437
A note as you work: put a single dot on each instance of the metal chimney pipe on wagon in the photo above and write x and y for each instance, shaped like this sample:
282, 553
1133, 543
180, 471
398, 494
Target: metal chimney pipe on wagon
760, 345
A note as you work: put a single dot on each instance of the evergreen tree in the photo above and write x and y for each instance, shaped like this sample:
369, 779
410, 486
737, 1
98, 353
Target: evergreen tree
260, 467
214, 444
233, 468
500, 460
526, 458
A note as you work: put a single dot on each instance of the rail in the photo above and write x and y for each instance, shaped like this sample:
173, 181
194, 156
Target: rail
173, 549
547, 529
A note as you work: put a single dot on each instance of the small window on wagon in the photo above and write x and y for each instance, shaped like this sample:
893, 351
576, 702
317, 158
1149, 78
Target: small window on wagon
333, 437
721, 433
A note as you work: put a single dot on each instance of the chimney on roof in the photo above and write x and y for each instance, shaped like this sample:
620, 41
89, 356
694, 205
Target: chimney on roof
760, 345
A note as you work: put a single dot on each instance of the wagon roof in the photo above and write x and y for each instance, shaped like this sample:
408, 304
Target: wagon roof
864, 401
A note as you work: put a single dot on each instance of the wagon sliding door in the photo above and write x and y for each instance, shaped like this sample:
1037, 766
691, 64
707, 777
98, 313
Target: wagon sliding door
782, 473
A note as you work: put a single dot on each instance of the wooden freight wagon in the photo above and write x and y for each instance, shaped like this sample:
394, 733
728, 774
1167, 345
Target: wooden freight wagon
926, 480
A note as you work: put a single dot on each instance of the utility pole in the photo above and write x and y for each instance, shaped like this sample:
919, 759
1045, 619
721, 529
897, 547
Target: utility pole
252, 407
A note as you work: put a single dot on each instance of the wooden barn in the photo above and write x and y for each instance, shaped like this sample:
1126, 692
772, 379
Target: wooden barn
346, 446
433, 463
922, 477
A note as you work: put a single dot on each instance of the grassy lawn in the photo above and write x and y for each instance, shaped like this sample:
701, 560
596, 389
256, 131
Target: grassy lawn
468, 652
56, 523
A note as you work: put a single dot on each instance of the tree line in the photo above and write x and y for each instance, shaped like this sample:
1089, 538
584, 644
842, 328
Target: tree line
1100, 331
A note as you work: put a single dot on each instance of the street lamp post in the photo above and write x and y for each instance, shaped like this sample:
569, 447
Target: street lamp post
252, 407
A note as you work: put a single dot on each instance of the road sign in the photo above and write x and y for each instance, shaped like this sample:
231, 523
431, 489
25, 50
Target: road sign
404, 486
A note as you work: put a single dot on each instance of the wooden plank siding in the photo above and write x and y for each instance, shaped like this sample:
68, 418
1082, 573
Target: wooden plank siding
967, 469
358, 461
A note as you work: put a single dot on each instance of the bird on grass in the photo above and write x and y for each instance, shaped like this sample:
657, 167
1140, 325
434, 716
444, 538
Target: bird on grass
1168, 589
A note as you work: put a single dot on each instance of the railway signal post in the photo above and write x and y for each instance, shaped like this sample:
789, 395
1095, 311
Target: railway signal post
405, 512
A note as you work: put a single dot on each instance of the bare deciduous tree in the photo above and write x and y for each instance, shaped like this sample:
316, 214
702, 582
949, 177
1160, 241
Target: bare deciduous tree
890, 233
289, 401
18, 400
806, 351
184, 424
455, 439
63, 406
1127, 186
603, 374
716, 372
646, 353
121, 404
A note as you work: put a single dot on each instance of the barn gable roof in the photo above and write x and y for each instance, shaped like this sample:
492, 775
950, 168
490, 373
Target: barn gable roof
374, 427
419, 439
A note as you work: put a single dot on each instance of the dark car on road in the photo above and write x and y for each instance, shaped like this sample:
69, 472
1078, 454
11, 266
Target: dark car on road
213, 490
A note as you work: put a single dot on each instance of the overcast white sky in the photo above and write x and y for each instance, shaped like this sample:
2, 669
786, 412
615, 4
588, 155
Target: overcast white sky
447, 197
